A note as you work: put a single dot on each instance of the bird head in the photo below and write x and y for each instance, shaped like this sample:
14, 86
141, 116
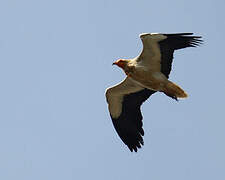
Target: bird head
122, 63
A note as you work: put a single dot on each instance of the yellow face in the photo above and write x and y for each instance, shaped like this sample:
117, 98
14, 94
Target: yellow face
121, 63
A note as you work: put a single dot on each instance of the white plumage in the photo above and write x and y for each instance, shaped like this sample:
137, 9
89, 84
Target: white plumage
146, 74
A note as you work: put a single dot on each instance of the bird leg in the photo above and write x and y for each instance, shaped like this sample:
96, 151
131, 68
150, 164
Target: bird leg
171, 95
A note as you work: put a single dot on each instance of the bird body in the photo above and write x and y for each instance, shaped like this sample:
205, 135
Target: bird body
146, 74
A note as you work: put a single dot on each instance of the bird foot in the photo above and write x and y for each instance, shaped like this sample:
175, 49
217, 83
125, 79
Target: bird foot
172, 96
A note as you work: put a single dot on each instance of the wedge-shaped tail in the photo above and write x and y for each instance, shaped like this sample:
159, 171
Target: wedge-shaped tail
174, 91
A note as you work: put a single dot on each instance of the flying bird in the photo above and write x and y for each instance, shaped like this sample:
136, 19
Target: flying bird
145, 74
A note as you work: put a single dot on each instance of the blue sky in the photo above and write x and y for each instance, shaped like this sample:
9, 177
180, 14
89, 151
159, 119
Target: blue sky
55, 65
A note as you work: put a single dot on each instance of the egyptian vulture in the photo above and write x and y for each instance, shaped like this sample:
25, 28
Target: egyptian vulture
145, 74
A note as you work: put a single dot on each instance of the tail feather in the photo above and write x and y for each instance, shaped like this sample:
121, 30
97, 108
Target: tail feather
174, 91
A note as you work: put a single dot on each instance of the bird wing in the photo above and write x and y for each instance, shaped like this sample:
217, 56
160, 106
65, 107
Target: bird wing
124, 101
158, 49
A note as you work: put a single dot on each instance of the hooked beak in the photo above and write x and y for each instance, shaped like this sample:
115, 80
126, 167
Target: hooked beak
120, 63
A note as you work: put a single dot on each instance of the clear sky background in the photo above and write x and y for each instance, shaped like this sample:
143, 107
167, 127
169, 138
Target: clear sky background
55, 64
